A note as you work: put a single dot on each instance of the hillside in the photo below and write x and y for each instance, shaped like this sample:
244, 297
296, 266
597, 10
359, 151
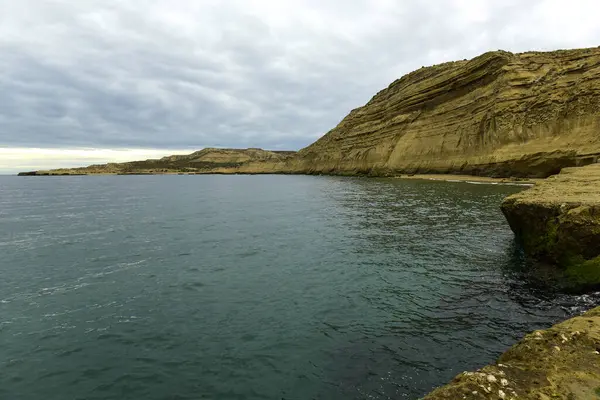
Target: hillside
207, 160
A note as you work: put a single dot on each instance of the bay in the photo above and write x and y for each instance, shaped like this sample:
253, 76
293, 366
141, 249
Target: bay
256, 287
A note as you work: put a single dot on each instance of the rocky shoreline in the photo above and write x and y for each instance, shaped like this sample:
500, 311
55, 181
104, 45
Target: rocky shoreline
558, 224
471, 179
562, 362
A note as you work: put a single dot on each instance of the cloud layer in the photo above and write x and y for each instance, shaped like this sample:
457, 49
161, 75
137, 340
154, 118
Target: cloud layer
174, 74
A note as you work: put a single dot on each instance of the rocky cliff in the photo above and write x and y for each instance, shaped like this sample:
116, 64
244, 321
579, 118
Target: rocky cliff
562, 362
558, 223
499, 114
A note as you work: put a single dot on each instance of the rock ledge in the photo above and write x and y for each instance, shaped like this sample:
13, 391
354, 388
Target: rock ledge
558, 223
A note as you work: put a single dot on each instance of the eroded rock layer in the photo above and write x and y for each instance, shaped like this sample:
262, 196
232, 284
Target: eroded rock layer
499, 114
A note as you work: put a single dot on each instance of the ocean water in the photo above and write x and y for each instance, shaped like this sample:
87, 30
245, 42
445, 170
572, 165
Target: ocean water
256, 287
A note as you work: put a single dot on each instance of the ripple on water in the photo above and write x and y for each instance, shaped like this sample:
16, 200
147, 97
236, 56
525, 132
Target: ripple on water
257, 287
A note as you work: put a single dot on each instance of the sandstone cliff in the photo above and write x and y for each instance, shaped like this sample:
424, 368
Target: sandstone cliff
558, 363
499, 114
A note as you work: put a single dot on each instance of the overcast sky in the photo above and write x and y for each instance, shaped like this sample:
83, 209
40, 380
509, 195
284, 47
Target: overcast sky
85, 80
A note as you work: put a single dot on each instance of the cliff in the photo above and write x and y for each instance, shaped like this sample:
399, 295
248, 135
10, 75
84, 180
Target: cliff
558, 223
209, 160
499, 114
558, 363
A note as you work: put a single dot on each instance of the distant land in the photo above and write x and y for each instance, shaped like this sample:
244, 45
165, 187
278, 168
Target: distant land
209, 160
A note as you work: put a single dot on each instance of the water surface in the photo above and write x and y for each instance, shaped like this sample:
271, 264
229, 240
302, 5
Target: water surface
256, 287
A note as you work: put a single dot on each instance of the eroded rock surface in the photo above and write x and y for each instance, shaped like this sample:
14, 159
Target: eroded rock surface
499, 114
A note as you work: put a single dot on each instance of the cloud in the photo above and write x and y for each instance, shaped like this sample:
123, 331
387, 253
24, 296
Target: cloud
174, 74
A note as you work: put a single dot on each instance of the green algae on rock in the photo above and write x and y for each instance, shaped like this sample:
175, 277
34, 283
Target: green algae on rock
558, 223
562, 362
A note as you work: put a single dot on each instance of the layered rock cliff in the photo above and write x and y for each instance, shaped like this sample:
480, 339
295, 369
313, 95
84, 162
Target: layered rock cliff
499, 114
562, 362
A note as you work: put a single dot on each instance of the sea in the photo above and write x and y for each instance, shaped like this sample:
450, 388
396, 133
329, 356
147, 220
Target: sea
257, 286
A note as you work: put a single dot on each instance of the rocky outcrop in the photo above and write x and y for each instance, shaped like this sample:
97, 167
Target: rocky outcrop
562, 362
209, 160
558, 223
499, 114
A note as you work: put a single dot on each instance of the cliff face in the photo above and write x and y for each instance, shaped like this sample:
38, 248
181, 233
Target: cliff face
558, 363
558, 223
499, 114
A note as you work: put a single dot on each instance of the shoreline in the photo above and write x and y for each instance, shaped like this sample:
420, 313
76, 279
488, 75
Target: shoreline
560, 362
472, 179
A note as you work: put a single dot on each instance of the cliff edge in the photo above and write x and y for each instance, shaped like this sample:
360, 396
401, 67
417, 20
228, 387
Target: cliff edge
562, 362
558, 223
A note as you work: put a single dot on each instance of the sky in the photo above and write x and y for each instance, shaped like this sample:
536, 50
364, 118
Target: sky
90, 81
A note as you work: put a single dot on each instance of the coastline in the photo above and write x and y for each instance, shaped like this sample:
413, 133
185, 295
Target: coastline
471, 179
557, 222
561, 362
477, 179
